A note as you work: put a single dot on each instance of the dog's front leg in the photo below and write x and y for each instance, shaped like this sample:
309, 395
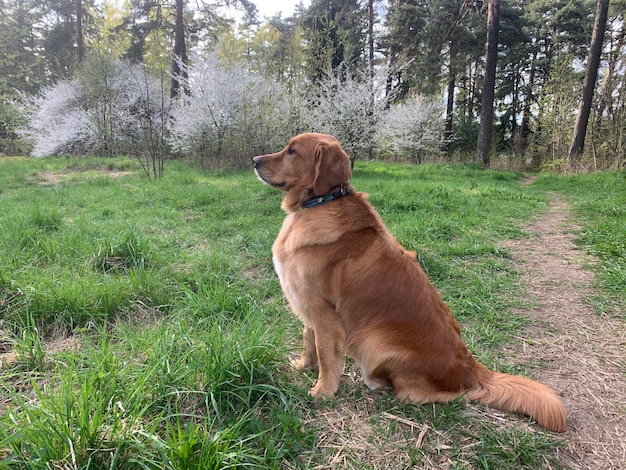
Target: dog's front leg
308, 360
329, 343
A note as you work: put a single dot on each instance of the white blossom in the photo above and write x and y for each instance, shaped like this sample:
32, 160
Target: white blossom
56, 120
350, 108
105, 110
229, 113
413, 129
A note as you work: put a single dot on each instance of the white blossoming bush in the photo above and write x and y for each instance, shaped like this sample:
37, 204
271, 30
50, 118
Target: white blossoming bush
148, 113
106, 110
413, 130
57, 123
229, 114
224, 115
350, 107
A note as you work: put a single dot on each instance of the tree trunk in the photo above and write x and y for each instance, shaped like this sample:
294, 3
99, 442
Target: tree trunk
486, 109
447, 132
80, 45
524, 129
606, 97
370, 64
591, 74
180, 51
471, 97
452, 65
370, 39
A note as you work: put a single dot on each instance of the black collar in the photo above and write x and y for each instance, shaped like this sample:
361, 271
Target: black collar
319, 200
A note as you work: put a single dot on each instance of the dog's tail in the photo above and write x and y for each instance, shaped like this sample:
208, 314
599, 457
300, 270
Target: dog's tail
512, 393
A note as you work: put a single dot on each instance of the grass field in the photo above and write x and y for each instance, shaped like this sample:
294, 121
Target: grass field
142, 325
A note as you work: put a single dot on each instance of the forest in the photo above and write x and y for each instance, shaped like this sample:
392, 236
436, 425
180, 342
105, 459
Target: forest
527, 84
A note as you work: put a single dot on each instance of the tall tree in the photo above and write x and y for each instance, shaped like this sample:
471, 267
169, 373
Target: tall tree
112, 38
180, 51
558, 32
59, 35
514, 78
591, 74
80, 43
22, 68
486, 110
610, 113
440, 41
614, 56
370, 36
335, 32
457, 39
404, 43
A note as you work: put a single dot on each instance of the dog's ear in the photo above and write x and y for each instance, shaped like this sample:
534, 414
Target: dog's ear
332, 167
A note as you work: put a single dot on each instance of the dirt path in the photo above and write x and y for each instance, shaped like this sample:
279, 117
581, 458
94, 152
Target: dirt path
585, 352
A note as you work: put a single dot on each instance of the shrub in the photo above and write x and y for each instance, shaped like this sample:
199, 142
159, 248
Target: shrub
229, 114
348, 106
106, 109
413, 129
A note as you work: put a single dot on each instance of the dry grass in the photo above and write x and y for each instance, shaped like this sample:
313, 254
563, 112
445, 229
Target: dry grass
363, 429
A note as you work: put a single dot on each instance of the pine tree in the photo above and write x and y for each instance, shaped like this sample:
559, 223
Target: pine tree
486, 110
593, 62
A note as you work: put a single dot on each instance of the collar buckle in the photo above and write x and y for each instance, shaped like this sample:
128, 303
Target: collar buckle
343, 190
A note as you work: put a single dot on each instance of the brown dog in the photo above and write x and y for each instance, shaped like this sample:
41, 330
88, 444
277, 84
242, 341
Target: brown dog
358, 291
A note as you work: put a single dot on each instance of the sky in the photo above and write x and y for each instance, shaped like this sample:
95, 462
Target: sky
271, 7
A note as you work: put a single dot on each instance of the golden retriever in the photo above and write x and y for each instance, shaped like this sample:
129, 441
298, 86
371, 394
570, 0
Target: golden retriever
358, 291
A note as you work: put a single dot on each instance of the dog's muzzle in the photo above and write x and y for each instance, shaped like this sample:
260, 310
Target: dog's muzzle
256, 162
265, 178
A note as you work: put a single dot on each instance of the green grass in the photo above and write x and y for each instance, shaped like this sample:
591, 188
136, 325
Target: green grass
150, 330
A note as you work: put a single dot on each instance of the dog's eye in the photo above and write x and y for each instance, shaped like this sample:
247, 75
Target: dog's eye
290, 151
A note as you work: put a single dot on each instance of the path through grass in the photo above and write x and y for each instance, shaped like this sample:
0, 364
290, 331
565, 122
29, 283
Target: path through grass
584, 348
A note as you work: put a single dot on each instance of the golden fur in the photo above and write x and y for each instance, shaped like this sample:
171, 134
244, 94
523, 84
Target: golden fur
358, 291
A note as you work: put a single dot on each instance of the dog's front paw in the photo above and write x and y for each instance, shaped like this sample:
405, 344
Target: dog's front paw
321, 392
301, 364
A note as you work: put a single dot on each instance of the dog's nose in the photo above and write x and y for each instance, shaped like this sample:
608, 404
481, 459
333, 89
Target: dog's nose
256, 161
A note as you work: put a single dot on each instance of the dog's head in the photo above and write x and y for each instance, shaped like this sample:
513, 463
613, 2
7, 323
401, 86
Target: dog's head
311, 165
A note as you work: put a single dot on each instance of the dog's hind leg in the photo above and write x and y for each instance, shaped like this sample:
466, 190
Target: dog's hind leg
420, 390
374, 382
